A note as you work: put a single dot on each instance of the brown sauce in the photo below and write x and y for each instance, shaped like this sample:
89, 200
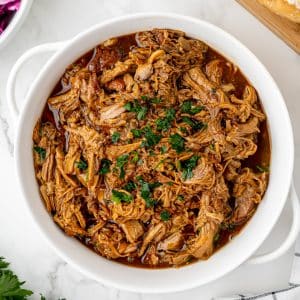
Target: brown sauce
120, 51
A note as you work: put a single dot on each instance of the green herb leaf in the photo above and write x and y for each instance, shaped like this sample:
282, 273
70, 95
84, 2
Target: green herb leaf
121, 161
177, 142
155, 100
119, 197
129, 106
151, 139
195, 124
144, 98
213, 90
152, 100
105, 166
151, 153
262, 169
163, 124
115, 137
180, 197
165, 215
81, 164
136, 107
188, 108
187, 167
41, 151
231, 227
150, 202
183, 129
135, 157
130, 186
10, 285
141, 114
159, 164
163, 149
147, 190
137, 133
216, 237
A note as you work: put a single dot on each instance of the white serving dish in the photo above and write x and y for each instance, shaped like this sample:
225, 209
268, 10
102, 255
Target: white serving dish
15, 23
243, 246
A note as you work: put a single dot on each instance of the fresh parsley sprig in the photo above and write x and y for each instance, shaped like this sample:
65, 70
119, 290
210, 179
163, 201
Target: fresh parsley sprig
188, 108
81, 164
40, 151
187, 167
10, 285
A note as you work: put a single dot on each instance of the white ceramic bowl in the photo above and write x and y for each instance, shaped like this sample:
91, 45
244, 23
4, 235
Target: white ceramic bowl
231, 255
15, 23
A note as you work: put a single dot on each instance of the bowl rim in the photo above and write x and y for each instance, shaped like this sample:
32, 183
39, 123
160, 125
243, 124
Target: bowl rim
50, 239
15, 23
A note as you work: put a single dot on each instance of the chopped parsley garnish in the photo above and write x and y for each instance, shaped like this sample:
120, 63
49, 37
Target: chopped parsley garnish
195, 124
216, 237
129, 106
40, 151
187, 167
135, 106
150, 202
165, 215
159, 164
156, 100
135, 157
104, 166
183, 129
152, 100
231, 227
81, 164
163, 149
151, 153
137, 133
262, 169
177, 142
213, 90
115, 137
180, 197
121, 161
119, 197
163, 124
188, 108
142, 113
147, 190
151, 139
130, 186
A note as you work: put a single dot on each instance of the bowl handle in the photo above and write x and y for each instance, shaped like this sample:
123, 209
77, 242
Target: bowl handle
289, 240
11, 82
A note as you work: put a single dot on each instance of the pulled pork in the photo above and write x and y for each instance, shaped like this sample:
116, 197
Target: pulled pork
145, 153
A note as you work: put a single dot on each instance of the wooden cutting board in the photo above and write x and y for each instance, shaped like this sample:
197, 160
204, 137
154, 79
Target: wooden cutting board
287, 30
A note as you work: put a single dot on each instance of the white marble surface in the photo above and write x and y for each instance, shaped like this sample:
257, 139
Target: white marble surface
56, 20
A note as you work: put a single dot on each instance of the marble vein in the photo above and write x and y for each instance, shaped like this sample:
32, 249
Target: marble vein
4, 127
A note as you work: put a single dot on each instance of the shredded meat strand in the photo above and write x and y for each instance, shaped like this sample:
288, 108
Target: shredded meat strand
145, 157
